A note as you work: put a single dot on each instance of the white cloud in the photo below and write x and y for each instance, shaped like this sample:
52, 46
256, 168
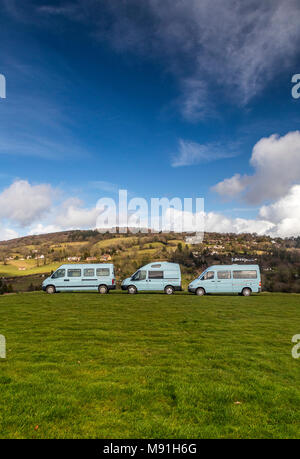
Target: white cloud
276, 161
73, 216
41, 228
194, 153
285, 213
7, 233
282, 218
208, 45
219, 223
23, 203
231, 187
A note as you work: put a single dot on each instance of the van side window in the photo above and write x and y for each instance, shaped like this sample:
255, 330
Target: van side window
245, 274
209, 275
89, 272
102, 272
156, 266
74, 272
224, 274
59, 273
156, 275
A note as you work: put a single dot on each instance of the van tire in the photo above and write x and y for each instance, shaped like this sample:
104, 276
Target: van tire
169, 290
102, 289
200, 291
246, 291
50, 289
131, 289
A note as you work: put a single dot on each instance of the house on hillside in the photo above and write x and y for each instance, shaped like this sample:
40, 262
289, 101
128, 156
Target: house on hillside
74, 258
91, 259
105, 257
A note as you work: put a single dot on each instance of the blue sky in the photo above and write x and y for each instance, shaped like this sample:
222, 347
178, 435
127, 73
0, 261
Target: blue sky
169, 99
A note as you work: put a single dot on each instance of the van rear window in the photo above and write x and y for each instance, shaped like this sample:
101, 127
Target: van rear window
245, 274
156, 275
74, 272
102, 272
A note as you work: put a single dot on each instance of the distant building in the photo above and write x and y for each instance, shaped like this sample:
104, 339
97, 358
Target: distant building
91, 259
105, 257
22, 268
74, 258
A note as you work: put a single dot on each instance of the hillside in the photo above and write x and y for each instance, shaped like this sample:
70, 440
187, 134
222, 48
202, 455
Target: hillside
25, 260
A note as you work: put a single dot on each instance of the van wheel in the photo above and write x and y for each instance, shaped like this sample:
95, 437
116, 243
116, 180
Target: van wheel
132, 289
246, 291
50, 289
200, 291
169, 290
102, 289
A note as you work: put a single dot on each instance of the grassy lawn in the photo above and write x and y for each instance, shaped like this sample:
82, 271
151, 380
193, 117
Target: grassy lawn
150, 365
12, 269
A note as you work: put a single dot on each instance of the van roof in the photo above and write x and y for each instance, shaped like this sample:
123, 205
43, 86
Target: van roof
234, 266
86, 265
162, 265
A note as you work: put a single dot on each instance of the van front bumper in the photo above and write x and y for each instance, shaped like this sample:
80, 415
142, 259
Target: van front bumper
124, 287
192, 289
111, 287
43, 288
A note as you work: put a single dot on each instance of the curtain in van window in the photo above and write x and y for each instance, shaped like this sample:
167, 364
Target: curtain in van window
89, 272
74, 272
102, 272
156, 275
245, 274
224, 274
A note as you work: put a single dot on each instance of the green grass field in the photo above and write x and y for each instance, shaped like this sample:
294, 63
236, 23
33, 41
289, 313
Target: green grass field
149, 366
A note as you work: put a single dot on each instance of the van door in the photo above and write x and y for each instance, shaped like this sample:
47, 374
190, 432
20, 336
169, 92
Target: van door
155, 280
139, 279
89, 281
73, 279
58, 279
224, 281
208, 282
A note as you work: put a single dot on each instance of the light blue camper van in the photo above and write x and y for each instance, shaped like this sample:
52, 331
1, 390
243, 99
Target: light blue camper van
242, 279
156, 276
81, 277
